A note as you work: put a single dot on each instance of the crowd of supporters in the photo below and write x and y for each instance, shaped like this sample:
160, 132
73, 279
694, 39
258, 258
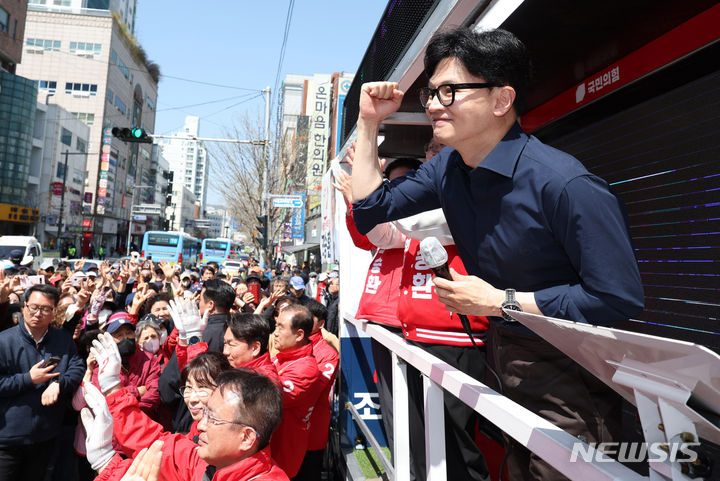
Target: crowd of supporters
112, 370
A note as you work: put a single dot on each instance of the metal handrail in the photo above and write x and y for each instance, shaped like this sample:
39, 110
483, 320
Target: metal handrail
551, 443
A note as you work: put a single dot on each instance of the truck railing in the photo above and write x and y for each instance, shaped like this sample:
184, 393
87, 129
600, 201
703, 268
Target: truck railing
551, 443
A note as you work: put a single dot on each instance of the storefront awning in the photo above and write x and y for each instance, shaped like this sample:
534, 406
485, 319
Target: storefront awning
298, 248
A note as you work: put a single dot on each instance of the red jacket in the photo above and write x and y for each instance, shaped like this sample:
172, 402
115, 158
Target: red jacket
143, 370
263, 365
298, 372
380, 297
424, 318
327, 361
360, 241
180, 460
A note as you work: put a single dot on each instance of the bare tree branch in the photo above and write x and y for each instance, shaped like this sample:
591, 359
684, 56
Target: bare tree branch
239, 170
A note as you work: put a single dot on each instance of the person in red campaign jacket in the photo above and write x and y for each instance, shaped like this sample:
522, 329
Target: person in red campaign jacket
235, 428
424, 318
327, 360
427, 323
246, 344
299, 378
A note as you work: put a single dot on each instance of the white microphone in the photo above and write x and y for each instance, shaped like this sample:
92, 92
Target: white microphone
435, 257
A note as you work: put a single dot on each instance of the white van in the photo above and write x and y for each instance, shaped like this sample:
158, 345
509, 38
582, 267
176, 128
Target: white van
29, 245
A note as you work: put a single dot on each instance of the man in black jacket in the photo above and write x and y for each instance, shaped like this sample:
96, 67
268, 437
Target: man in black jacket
216, 297
333, 299
40, 370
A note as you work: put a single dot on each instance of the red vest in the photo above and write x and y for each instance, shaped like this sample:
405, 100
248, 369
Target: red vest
379, 301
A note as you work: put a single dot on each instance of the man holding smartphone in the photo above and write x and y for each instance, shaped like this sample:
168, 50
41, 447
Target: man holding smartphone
39, 372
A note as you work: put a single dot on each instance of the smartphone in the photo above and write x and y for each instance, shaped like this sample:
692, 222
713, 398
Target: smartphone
53, 361
29, 281
254, 288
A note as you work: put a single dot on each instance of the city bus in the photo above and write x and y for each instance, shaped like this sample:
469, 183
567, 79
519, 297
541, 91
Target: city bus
217, 250
176, 247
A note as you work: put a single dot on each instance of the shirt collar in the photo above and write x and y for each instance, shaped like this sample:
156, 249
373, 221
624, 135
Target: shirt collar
504, 157
27, 331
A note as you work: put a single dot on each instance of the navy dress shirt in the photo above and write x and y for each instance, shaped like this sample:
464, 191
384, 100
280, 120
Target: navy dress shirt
531, 218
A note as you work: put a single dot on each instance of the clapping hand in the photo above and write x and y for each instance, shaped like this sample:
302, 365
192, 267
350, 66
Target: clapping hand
98, 424
106, 353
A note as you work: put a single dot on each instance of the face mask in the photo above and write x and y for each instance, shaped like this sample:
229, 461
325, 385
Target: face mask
126, 347
186, 283
147, 279
151, 345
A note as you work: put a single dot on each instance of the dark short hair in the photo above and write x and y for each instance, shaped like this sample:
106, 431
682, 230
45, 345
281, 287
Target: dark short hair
301, 319
409, 162
497, 56
317, 309
45, 289
250, 328
221, 293
260, 401
207, 268
155, 298
205, 368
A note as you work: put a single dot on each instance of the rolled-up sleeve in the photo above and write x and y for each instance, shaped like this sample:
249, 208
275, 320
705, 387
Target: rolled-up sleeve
589, 222
415, 192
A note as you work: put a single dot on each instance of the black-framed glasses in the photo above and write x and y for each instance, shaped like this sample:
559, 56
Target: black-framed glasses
217, 421
33, 308
446, 92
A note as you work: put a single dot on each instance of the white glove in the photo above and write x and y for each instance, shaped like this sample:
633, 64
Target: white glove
98, 424
187, 319
107, 356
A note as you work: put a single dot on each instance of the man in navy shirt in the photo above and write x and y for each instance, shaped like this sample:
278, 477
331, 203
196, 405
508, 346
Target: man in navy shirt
39, 372
524, 216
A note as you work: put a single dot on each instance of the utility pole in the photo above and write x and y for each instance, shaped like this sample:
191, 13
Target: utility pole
266, 156
67, 154
62, 198
132, 204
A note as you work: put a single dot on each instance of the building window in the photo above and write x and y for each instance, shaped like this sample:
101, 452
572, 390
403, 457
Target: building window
88, 119
81, 144
40, 45
85, 49
66, 136
150, 103
62, 3
120, 106
4, 20
123, 68
80, 90
48, 85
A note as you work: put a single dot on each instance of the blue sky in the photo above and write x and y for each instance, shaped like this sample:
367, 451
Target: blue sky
237, 43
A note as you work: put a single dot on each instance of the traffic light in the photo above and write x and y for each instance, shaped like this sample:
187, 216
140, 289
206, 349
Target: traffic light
169, 175
136, 134
262, 230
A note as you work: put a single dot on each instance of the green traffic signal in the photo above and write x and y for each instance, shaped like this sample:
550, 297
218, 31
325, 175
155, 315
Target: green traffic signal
136, 134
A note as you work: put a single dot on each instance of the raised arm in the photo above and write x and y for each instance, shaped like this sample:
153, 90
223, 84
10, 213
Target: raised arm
378, 100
